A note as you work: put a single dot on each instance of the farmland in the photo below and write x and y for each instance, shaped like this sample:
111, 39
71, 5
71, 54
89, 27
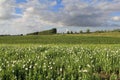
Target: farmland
60, 57
59, 62
93, 38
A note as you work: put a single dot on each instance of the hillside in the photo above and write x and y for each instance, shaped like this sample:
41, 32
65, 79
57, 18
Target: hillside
46, 32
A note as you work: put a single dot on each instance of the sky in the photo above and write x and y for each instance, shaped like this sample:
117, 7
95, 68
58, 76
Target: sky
26, 16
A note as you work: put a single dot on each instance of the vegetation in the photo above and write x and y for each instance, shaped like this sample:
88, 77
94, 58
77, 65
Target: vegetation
46, 32
93, 38
88, 31
116, 30
94, 56
60, 62
81, 31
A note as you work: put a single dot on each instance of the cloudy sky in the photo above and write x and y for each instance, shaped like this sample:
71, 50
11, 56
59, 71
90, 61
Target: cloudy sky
25, 16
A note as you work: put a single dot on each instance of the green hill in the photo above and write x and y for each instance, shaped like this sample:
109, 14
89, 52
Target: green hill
46, 32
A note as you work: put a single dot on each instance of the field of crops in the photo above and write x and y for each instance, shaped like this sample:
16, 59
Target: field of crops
61, 39
60, 62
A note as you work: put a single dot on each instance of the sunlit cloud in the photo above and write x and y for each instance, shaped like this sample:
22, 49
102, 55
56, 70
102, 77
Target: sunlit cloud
25, 16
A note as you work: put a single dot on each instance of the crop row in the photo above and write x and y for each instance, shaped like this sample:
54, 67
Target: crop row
59, 39
60, 63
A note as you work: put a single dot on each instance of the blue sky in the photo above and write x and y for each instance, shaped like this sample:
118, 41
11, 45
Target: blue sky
60, 5
115, 13
19, 11
25, 16
21, 1
54, 8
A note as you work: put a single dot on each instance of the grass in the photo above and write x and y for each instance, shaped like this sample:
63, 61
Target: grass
92, 38
60, 57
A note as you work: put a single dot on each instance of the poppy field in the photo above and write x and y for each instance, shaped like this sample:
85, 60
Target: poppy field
60, 62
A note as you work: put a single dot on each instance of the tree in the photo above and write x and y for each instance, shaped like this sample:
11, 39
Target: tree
54, 30
76, 32
35, 33
71, 32
68, 32
81, 31
88, 31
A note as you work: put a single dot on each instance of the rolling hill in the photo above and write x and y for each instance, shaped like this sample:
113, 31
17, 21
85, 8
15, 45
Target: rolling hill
46, 32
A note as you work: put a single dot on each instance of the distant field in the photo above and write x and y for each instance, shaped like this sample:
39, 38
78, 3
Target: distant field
92, 38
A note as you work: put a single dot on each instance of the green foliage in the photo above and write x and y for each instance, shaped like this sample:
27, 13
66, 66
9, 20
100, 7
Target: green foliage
59, 39
88, 31
100, 31
116, 30
50, 62
46, 32
68, 32
71, 32
54, 31
81, 31
59, 61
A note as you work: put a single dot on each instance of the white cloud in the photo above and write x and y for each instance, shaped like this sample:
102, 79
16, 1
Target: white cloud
38, 15
6, 9
116, 18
